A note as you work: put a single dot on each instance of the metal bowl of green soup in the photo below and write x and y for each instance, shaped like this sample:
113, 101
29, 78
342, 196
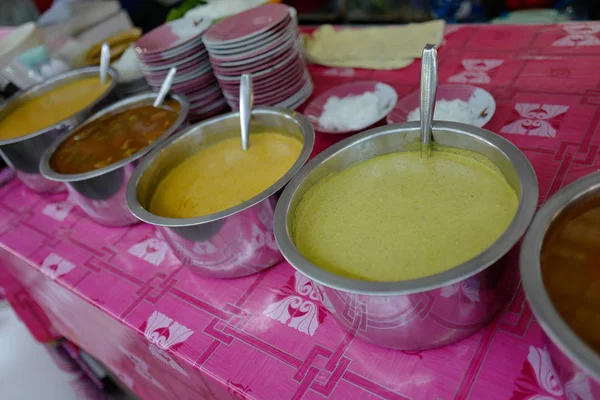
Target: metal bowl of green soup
410, 253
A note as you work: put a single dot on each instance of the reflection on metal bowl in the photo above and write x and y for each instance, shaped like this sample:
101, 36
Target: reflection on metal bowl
576, 363
101, 192
435, 310
24, 153
231, 243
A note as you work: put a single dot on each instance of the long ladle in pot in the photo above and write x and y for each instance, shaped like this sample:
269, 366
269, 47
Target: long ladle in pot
104, 62
165, 87
429, 82
246, 103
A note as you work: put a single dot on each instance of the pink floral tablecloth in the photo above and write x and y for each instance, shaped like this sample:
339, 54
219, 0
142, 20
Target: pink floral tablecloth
166, 333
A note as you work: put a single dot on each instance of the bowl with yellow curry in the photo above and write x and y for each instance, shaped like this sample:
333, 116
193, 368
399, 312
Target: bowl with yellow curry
32, 120
211, 200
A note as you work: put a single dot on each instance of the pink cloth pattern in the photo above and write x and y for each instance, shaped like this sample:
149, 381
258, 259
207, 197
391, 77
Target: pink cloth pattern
167, 333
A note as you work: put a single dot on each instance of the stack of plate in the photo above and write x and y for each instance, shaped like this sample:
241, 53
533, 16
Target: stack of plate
179, 44
265, 42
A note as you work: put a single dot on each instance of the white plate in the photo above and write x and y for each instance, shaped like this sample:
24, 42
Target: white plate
478, 99
386, 94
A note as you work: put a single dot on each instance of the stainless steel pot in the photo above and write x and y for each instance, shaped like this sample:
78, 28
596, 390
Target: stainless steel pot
23, 153
231, 243
431, 311
101, 193
575, 362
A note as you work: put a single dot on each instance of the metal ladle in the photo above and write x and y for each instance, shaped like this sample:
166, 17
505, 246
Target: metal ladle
246, 103
104, 62
429, 82
165, 87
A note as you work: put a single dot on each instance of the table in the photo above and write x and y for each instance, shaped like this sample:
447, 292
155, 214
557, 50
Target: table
123, 297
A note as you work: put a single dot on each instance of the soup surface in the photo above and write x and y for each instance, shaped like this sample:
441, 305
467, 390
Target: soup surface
398, 217
570, 262
51, 107
113, 137
222, 175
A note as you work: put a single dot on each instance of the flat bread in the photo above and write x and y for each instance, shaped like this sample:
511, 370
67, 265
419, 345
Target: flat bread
365, 63
391, 47
118, 44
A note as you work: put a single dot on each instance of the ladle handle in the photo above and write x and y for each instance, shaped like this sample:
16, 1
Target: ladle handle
104, 62
165, 87
246, 103
429, 82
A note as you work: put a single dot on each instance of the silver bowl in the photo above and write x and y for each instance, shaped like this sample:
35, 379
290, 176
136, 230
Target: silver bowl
23, 153
435, 310
574, 361
234, 242
101, 193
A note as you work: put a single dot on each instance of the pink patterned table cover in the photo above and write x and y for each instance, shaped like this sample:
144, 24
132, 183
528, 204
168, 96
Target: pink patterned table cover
122, 296
26, 308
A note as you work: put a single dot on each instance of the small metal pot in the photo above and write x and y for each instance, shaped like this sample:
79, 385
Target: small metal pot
23, 153
101, 193
435, 310
234, 242
575, 362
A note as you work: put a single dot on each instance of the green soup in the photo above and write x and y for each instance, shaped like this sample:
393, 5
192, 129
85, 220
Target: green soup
398, 217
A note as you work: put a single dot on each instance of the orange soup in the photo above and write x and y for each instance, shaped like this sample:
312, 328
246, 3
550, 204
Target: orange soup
49, 108
223, 175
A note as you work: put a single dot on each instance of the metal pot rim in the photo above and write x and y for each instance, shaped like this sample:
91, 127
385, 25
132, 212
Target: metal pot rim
141, 213
531, 275
66, 76
525, 211
47, 171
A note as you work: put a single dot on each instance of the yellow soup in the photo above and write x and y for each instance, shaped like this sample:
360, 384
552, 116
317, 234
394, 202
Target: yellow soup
223, 175
51, 107
398, 217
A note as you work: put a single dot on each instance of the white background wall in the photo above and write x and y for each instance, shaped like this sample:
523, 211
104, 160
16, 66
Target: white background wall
26, 370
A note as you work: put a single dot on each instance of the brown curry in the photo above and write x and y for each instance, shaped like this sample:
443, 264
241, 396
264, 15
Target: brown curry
571, 269
113, 137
